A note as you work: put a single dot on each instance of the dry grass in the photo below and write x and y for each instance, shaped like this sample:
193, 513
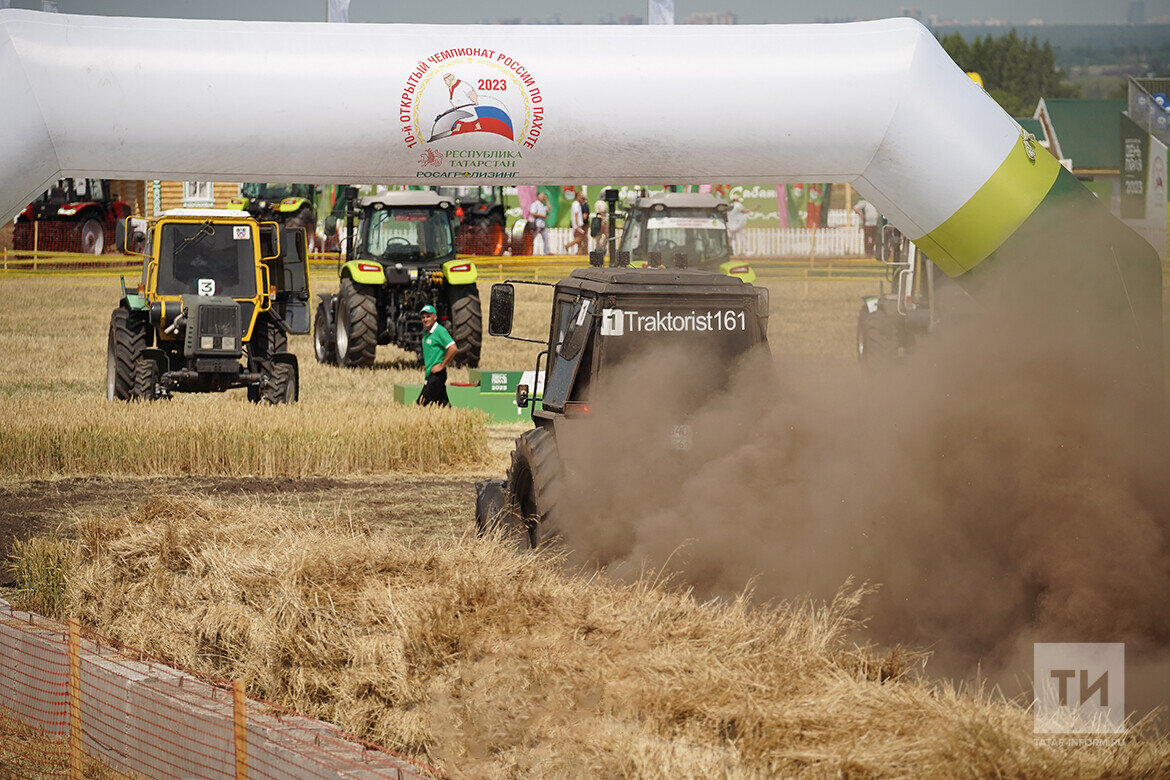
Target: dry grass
490, 664
40, 568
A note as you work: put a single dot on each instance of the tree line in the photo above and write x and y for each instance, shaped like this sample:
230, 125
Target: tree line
1015, 72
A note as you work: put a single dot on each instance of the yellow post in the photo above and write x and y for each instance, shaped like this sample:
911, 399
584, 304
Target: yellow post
240, 710
76, 763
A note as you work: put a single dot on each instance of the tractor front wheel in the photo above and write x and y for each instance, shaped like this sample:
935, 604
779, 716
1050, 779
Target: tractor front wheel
466, 324
324, 338
93, 237
126, 341
145, 380
281, 384
532, 490
357, 324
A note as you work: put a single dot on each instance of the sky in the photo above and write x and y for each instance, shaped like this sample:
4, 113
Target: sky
748, 11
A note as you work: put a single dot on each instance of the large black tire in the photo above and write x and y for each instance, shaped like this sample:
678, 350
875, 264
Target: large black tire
282, 384
126, 341
324, 337
357, 324
146, 376
466, 324
877, 338
268, 338
92, 237
533, 489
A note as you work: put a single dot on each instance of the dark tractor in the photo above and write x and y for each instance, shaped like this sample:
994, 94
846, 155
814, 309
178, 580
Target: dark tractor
401, 259
679, 230
219, 295
74, 215
293, 205
482, 224
602, 318
919, 298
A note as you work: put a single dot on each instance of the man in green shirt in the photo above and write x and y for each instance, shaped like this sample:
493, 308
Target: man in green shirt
438, 350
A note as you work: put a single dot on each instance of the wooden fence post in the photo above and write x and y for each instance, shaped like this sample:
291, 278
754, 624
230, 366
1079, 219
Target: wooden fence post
240, 710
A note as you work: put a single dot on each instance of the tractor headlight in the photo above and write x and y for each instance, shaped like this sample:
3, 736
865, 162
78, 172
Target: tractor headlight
229, 342
207, 342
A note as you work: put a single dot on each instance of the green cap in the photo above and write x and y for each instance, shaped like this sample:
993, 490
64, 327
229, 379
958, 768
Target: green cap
428, 309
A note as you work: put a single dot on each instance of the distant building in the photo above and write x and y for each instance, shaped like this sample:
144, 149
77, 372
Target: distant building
911, 12
710, 17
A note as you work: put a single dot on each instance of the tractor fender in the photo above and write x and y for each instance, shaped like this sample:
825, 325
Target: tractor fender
159, 357
329, 304
291, 205
364, 272
287, 358
738, 269
459, 271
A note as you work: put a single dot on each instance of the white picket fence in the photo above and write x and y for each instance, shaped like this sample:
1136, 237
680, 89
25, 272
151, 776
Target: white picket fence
763, 242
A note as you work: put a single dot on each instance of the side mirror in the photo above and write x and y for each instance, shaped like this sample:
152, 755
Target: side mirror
120, 233
522, 396
500, 310
597, 257
331, 225
594, 227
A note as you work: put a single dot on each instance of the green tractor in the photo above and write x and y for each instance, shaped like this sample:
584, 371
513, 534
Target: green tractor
400, 256
674, 230
288, 204
218, 296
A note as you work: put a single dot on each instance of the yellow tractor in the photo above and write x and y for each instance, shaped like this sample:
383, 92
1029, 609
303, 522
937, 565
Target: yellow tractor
219, 294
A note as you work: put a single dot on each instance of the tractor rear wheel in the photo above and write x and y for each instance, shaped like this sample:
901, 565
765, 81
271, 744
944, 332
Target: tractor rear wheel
324, 338
877, 338
126, 341
466, 324
532, 491
357, 324
92, 237
145, 380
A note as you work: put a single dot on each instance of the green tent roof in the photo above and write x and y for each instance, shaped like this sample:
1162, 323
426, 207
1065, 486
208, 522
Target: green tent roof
1087, 131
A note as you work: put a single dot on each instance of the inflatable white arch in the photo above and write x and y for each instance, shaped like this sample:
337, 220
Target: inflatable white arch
878, 104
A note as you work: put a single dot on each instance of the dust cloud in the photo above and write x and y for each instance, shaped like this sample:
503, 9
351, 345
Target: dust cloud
1004, 484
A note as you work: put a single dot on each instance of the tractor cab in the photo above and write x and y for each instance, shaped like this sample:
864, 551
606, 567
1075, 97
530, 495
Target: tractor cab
680, 230
285, 203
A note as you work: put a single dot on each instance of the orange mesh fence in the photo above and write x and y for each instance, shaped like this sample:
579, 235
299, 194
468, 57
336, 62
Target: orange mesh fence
63, 236
74, 703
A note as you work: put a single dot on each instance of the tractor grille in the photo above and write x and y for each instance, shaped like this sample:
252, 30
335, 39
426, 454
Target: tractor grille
216, 331
218, 320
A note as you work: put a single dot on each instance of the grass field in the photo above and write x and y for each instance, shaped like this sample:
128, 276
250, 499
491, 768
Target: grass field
435, 642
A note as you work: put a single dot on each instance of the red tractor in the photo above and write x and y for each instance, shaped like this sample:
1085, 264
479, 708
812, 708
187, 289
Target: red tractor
74, 215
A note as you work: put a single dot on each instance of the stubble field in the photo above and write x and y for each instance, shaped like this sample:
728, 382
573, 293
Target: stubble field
451, 648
